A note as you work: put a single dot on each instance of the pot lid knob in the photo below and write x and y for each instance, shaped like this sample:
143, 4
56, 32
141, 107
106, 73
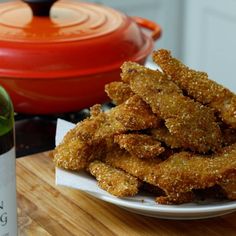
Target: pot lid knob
40, 7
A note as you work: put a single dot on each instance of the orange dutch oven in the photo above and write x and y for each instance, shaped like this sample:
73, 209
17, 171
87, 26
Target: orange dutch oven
57, 57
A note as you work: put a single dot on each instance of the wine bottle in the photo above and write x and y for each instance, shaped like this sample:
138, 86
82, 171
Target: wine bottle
8, 215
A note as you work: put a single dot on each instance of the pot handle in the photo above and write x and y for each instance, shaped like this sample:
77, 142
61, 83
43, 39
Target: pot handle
154, 27
40, 7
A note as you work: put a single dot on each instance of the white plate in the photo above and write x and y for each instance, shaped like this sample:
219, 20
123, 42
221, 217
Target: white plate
145, 204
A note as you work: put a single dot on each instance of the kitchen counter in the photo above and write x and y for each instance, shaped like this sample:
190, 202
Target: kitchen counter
45, 209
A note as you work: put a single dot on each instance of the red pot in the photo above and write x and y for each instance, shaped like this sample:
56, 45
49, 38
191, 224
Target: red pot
60, 62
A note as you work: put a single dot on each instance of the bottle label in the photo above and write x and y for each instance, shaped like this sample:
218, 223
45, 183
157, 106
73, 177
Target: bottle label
8, 216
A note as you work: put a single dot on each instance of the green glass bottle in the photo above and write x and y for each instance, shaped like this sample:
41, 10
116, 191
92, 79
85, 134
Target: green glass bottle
8, 215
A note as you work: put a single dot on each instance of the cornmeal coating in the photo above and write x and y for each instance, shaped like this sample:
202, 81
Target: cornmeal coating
114, 181
176, 199
189, 121
133, 114
159, 83
118, 92
74, 154
143, 169
163, 134
186, 171
199, 86
95, 110
147, 171
182, 172
139, 145
88, 140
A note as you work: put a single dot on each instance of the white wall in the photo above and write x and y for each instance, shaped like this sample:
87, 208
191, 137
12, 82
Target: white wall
210, 39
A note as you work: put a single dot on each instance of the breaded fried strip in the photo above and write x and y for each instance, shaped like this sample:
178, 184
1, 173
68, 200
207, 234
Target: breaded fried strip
143, 169
162, 134
140, 145
182, 172
185, 171
74, 154
134, 114
147, 171
189, 121
118, 92
114, 181
87, 141
199, 86
159, 83
95, 110
176, 199
65, 154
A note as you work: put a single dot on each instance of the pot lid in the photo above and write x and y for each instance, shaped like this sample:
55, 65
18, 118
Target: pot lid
67, 39
67, 21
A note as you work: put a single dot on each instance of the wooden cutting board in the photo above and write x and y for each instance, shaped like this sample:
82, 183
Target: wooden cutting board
45, 209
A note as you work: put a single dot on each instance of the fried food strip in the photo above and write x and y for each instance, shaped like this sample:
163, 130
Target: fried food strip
140, 145
162, 134
95, 110
176, 199
180, 173
198, 86
159, 83
214, 192
118, 92
189, 121
87, 141
114, 181
186, 171
74, 154
134, 114
147, 171
143, 169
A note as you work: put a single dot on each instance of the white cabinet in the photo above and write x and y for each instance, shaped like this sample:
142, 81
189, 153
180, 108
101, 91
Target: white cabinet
210, 39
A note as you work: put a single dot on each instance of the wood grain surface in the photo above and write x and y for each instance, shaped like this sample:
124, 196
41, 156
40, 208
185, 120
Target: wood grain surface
46, 209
